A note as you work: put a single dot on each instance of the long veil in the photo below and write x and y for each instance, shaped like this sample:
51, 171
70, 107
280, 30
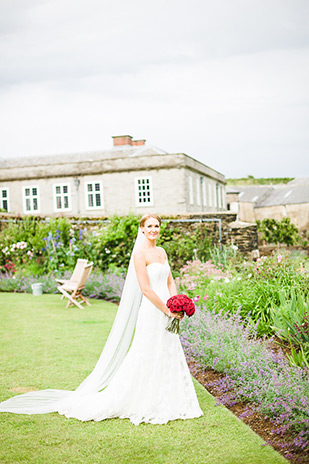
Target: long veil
114, 352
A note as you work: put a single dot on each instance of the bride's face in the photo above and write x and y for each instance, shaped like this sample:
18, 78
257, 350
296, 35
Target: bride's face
151, 229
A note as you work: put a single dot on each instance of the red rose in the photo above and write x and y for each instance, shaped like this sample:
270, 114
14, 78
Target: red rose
177, 304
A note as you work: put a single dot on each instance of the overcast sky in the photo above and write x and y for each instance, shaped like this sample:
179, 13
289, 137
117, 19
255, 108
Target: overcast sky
224, 81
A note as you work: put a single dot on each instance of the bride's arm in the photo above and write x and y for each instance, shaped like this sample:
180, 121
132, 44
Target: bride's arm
143, 280
171, 285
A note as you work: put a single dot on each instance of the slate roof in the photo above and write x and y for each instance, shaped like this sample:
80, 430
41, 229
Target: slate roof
295, 191
250, 193
115, 152
287, 195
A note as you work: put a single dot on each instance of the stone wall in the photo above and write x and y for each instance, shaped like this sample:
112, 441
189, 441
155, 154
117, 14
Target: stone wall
243, 235
233, 232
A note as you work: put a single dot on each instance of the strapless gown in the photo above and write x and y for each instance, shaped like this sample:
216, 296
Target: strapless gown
153, 384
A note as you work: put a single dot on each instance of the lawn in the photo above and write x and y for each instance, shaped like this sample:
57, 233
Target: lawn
43, 345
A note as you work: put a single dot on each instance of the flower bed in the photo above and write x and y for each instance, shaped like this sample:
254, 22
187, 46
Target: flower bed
251, 287
107, 286
253, 372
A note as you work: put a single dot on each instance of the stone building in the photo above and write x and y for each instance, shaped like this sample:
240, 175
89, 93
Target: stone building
131, 177
258, 202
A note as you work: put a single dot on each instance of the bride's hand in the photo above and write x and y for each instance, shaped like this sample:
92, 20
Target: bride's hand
178, 316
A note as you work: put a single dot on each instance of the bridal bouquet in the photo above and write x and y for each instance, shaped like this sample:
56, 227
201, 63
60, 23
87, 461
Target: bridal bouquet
179, 304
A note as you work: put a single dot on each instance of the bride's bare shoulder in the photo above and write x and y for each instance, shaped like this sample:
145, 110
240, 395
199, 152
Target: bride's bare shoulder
139, 256
162, 251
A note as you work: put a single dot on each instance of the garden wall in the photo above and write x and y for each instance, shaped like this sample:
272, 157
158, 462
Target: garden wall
216, 227
243, 235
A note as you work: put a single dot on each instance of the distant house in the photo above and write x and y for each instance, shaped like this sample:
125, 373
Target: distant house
258, 202
131, 177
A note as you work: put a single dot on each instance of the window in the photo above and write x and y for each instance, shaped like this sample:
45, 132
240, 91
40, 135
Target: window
31, 200
198, 191
94, 195
204, 191
143, 191
210, 193
191, 200
222, 194
4, 199
217, 196
62, 197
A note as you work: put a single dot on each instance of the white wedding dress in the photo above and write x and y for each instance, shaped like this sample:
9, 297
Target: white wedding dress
152, 384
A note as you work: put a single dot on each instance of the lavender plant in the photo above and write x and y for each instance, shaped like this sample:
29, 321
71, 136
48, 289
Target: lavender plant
106, 286
102, 286
21, 283
254, 373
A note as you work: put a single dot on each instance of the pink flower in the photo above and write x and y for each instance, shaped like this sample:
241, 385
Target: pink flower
196, 298
279, 258
206, 297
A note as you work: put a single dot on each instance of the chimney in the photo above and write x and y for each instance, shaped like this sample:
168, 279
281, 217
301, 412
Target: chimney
119, 140
138, 143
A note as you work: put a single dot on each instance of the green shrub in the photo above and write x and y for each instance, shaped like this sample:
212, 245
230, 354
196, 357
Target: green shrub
274, 231
291, 322
253, 291
57, 244
114, 243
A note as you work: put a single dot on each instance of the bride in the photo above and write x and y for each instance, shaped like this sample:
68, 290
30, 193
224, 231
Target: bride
144, 378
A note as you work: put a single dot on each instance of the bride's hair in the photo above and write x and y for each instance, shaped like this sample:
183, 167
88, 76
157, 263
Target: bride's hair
148, 216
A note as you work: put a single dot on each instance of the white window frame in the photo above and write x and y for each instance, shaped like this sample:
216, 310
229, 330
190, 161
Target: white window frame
191, 198
37, 196
7, 199
198, 191
62, 195
137, 192
93, 183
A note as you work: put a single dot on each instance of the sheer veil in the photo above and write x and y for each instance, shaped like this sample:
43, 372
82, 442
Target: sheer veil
114, 351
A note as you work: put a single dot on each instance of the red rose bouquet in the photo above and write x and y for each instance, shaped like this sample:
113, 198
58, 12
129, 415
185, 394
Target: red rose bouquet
179, 304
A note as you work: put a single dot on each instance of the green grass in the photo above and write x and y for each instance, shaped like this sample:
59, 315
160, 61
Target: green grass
250, 180
43, 345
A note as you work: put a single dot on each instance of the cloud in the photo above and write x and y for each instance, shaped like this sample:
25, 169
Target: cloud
225, 82
55, 41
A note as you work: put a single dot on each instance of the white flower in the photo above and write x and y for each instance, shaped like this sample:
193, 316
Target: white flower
238, 278
234, 247
226, 280
250, 275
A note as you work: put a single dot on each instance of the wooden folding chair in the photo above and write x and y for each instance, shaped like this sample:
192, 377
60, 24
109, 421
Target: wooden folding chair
77, 273
72, 290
